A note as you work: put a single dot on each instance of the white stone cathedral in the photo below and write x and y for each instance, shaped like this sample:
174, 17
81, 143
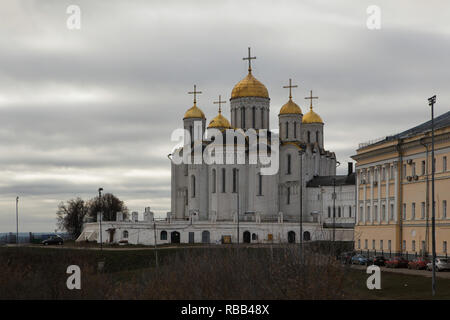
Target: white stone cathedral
211, 203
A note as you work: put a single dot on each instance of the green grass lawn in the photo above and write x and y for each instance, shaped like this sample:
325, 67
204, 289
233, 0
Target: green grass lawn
397, 286
36, 268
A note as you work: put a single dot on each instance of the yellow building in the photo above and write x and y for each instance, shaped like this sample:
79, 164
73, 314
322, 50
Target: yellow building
393, 191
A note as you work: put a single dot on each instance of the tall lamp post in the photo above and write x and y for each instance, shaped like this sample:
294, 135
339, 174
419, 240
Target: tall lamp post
101, 214
237, 187
300, 153
17, 220
431, 102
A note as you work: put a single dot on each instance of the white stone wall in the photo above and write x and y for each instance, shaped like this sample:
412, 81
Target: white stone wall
144, 233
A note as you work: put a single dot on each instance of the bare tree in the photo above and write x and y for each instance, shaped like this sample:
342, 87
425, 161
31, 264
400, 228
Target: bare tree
70, 216
109, 205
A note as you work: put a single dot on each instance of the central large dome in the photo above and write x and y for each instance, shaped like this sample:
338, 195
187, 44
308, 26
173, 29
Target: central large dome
249, 87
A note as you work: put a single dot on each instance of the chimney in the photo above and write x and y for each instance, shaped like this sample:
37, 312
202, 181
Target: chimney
350, 168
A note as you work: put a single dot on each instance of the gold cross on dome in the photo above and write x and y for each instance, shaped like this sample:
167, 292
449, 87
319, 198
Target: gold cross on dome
220, 103
195, 92
290, 86
311, 98
249, 58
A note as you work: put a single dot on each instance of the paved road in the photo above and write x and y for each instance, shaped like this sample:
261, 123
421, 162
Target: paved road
423, 273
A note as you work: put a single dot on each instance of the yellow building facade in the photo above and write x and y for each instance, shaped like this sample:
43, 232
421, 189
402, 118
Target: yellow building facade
393, 191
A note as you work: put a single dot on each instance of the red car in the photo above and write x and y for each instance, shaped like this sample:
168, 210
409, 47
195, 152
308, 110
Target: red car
418, 263
397, 262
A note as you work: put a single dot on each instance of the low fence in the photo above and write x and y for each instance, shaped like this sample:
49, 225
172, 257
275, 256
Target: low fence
30, 237
388, 253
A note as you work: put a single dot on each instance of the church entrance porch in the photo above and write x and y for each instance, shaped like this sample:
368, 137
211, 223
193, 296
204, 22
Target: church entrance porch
247, 237
175, 237
291, 237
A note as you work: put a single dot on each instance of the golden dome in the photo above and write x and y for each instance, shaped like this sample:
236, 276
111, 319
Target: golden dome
219, 122
249, 87
312, 117
290, 108
194, 112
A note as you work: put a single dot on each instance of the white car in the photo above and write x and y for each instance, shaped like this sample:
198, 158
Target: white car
441, 264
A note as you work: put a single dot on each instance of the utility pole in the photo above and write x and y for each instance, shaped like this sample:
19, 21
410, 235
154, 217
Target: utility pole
237, 187
17, 220
101, 214
156, 251
431, 102
334, 210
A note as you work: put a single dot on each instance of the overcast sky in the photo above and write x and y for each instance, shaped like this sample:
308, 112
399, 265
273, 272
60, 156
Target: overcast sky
95, 107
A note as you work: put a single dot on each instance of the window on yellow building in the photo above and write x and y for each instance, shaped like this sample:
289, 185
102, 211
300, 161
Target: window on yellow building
365, 243
413, 211
381, 245
444, 246
444, 209
423, 167
389, 244
404, 211
444, 163
392, 212
413, 245
422, 210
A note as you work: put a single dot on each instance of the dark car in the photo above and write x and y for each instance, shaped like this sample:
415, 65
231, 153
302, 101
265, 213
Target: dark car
379, 261
397, 262
346, 257
419, 263
359, 259
53, 240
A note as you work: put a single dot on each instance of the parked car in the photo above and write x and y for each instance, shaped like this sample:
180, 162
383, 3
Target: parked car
359, 259
397, 262
378, 261
419, 263
346, 257
441, 264
53, 240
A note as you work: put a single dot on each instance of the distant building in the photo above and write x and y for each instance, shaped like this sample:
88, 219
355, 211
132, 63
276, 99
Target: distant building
394, 191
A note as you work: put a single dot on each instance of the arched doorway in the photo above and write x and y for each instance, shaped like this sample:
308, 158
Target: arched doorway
205, 236
175, 237
291, 237
247, 237
306, 236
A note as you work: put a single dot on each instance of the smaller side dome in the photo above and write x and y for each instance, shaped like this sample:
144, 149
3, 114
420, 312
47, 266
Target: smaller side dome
290, 107
219, 122
312, 117
194, 112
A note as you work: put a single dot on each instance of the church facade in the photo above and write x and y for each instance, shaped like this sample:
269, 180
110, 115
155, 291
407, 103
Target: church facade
220, 202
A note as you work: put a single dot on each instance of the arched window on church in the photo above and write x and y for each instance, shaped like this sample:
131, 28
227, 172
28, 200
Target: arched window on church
163, 235
214, 179
193, 186
242, 117
317, 136
329, 212
288, 164
223, 179
287, 130
288, 196
295, 130
259, 184
309, 137
262, 118
235, 173
253, 117
125, 234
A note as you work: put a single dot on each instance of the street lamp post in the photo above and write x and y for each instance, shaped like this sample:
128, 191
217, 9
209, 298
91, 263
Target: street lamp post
334, 210
237, 187
300, 153
431, 102
17, 220
101, 213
